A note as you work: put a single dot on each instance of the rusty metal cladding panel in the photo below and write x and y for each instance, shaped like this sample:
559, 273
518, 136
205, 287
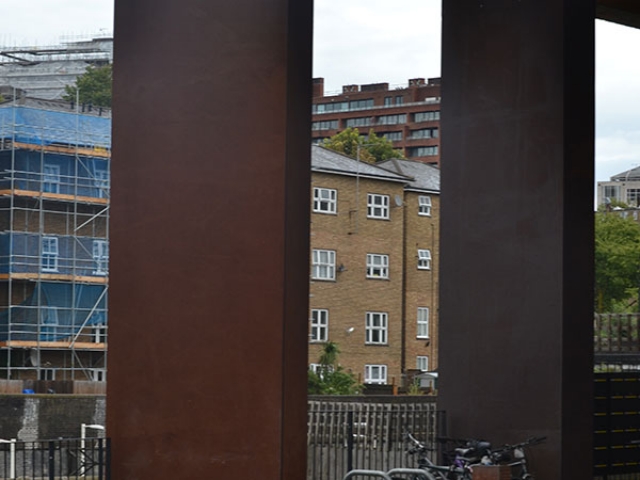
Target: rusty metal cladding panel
210, 229
516, 343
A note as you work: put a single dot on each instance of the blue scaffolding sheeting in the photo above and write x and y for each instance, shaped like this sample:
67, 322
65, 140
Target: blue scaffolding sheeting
64, 255
55, 173
54, 312
47, 127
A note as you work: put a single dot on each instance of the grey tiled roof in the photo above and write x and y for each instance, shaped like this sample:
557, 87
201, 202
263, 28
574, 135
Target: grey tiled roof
325, 160
424, 177
633, 174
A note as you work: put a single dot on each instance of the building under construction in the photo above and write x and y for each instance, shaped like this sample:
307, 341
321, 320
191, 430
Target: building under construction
54, 250
43, 72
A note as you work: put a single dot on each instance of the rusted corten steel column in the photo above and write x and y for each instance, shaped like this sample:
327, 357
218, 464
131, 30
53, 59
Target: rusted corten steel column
517, 226
209, 240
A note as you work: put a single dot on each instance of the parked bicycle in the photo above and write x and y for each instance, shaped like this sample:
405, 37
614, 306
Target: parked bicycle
428, 469
470, 453
515, 457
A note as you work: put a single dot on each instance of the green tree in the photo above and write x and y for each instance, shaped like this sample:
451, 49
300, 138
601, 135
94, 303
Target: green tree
612, 204
617, 261
94, 87
373, 148
330, 378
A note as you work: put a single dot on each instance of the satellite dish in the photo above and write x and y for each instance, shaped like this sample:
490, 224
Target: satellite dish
398, 200
34, 357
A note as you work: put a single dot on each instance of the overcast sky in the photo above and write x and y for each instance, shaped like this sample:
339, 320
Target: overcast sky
366, 41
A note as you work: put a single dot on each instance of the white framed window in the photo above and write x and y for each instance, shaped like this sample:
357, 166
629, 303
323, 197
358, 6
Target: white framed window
422, 363
612, 192
377, 266
98, 374
319, 325
319, 369
102, 182
376, 374
101, 257
424, 205
376, 328
323, 265
99, 333
424, 259
633, 197
325, 200
423, 322
51, 178
49, 254
47, 374
377, 206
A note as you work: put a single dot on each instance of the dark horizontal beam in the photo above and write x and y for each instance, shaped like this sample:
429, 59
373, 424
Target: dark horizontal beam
624, 12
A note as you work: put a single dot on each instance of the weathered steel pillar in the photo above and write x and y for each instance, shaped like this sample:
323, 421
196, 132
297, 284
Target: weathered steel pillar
209, 239
517, 236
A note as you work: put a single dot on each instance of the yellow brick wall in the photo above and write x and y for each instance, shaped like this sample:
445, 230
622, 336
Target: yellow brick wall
421, 288
352, 236
61, 222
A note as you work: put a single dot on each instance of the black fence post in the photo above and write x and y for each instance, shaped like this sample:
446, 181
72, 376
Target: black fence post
108, 460
52, 462
100, 458
350, 444
441, 432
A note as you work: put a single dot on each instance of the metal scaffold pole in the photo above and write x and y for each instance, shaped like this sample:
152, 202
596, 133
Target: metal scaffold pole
54, 206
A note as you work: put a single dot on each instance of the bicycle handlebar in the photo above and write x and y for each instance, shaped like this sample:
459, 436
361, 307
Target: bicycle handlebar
527, 443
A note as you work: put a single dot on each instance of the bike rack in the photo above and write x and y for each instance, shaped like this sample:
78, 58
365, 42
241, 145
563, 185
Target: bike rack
408, 471
368, 473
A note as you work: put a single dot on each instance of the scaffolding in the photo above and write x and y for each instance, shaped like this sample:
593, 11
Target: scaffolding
43, 72
54, 249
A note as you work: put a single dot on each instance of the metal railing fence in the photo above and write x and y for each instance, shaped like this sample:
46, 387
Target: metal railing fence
69, 459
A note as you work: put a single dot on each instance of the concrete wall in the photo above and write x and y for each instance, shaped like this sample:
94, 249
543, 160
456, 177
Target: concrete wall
38, 417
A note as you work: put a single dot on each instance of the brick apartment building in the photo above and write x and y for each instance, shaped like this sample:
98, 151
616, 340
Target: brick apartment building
409, 117
374, 265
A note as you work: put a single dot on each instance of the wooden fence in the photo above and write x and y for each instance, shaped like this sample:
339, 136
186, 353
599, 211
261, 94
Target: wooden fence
616, 333
344, 435
78, 387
